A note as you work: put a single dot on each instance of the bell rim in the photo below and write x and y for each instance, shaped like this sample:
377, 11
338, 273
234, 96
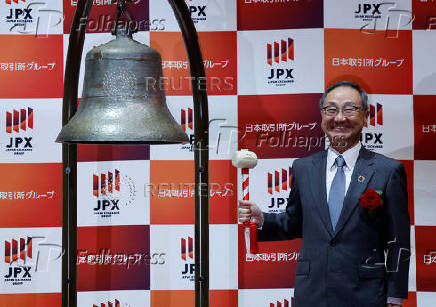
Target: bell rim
64, 139
120, 142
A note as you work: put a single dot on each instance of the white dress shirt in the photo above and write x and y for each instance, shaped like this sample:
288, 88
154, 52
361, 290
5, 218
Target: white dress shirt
350, 156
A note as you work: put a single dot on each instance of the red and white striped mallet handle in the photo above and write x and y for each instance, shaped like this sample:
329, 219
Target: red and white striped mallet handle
245, 159
245, 172
250, 232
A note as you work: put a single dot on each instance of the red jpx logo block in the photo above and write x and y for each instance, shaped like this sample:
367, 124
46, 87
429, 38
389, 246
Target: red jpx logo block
109, 304
283, 51
19, 120
187, 253
16, 1
186, 119
187, 248
375, 116
104, 184
15, 251
275, 183
284, 304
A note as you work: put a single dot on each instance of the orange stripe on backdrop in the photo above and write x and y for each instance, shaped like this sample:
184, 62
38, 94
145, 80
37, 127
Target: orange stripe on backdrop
411, 301
268, 274
173, 298
219, 55
172, 192
387, 56
33, 299
35, 66
33, 195
168, 177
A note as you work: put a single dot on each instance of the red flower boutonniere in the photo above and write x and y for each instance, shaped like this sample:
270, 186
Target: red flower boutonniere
371, 200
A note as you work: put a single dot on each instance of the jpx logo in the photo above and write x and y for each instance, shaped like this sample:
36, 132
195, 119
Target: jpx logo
187, 255
106, 188
187, 123
278, 181
19, 122
280, 55
368, 11
284, 304
19, 16
17, 251
373, 139
368, 8
109, 304
198, 12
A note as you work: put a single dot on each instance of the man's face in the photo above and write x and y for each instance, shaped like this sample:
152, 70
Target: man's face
343, 132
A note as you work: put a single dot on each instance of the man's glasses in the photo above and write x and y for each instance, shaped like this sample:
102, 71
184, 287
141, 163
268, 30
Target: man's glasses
348, 111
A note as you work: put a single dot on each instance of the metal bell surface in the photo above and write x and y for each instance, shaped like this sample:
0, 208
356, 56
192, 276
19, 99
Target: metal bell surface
120, 104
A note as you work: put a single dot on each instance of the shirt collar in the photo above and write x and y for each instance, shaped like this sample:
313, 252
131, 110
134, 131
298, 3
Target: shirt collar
350, 156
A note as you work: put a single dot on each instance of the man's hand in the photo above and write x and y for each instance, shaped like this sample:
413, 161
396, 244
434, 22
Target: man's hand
248, 211
392, 305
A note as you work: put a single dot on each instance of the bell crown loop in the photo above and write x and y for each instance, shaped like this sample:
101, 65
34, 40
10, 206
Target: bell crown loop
122, 9
123, 47
122, 31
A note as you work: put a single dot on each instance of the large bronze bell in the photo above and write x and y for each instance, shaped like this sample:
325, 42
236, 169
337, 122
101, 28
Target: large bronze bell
121, 102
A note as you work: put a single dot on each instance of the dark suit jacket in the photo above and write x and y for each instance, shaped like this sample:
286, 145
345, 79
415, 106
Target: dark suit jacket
346, 267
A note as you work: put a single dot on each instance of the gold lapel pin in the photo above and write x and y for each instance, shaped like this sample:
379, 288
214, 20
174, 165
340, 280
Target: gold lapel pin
361, 179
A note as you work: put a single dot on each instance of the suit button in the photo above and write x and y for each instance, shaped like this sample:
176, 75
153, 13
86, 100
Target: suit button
332, 242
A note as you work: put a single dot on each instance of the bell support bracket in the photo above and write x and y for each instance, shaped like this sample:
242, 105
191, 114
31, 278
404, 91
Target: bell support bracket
69, 155
201, 153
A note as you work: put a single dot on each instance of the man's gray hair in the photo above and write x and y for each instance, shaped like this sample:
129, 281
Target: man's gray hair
362, 93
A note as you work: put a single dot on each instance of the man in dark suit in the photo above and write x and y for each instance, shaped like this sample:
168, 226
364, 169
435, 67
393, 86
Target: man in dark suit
350, 256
